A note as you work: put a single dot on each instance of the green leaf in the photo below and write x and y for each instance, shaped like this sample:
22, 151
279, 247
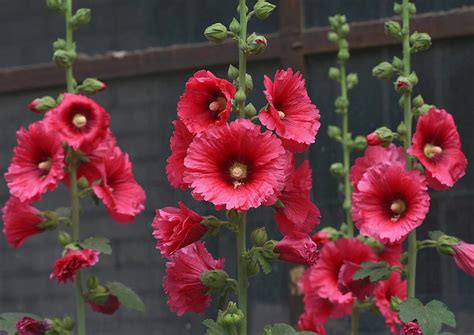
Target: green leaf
100, 244
8, 321
430, 317
264, 263
375, 271
126, 296
436, 234
283, 329
213, 328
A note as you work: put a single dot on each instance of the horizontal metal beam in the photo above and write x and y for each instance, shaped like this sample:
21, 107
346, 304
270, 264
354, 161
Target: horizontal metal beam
440, 25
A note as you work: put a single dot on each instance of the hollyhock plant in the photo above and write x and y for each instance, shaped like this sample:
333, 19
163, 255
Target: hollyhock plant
236, 166
175, 228
179, 144
321, 238
182, 283
79, 121
307, 322
437, 145
297, 248
299, 213
30, 326
207, 101
394, 286
66, 267
411, 328
390, 202
290, 111
391, 254
109, 307
21, 221
464, 257
37, 165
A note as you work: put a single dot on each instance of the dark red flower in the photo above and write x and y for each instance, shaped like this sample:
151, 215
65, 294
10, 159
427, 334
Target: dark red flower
79, 121
206, 101
290, 112
122, 196
20, 221
37, 165
391, 254
464, 257
179, 144
175, 228
383, 293
437, 145
411, 328
321, 238
307, 322
109, 307
182, 283
236, 166
390, 202
29, 326
66, 267
297, 248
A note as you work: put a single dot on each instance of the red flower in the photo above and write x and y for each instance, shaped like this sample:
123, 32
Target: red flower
66, 267
300, 213
437, 145
373, 139
321, 238
109, 307
176, 228
411, 328
236, 166
383, 293
179, 144
390, 202
33, 106
391, 254
20, 222
182, 283
464, 257
206, 101
290, 112
297, 248
307, 322
29, 326
37, 165
122, 196
79, 121
372, 157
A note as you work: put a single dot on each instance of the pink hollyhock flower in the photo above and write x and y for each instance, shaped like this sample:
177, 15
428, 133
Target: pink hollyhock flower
37, 165
391, 254
383, 293
464, 257
236, 166
437, 145
175, 228
79, 121
66, 267
297, 248
206, 101
300, 213
182, 283
109, 307
20, 221
179, 144
122, 196
411, 328
373, 156
29, 326
390, 202
307, 322
290, 112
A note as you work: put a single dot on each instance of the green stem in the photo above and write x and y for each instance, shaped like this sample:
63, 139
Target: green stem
242, 54
355, 320
412, 246
69, 45
242, 282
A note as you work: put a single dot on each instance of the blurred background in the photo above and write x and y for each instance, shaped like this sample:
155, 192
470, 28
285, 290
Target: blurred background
145, 50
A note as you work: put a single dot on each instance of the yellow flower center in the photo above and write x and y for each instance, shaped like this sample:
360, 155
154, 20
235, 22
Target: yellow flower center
79, 120
432, 151
281, 114
218, 105
398, 207
45, 166
238, 172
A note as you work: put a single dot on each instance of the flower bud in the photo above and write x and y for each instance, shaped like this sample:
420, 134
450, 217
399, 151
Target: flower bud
214, 279
337, 170
403, 85
81, 18
345, 29
420, 42
91, 86
402, 129
445, 244
248, 83
395, 303
250, 110
334, 132
381, 136
41, 105
240, 96
55, 4
68, 323
99, 295
341, 103
334, 73
383, 71
233, 72
397, 64
411, 8
413, 78
424, 109
234, 26
334, 22
360, 143
64, 58
232, 315
343, 55
92, 282
64, 238
263, 9
404, 258
397, 8
418, 101
259, 237
352, 80
82, 183
393, 29
59, 44
216, 33
256, 44
332, 36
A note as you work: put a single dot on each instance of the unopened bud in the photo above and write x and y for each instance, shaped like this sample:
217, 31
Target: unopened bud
240, 96
397, 8
233, 72
403, 85
55, 4
64, 58
259, 237
68, 323
402, 129
41, 105
337, 170
250, 110
360, 143
234, 26
91, 85
420, 42
413, 78
381, 136
232, 315
64, 238
352, 80
82, 183
82, 17
341, 103
345, 29
411, 8
343, 55
383, 71
59, 44
248, 83
393, 29
216, 33
334, 73
418, 101
214, 279
263, 9
332, 36
92, 282
256, 44
395, 303
397, 64
334, 132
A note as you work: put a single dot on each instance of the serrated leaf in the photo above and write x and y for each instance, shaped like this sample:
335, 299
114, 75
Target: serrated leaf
264, 263
127, 297
8, 321
213, 328
283, 329
430, 317
375, 271
100, 244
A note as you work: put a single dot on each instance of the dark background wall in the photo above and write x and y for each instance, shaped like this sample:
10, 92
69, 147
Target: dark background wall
142, 107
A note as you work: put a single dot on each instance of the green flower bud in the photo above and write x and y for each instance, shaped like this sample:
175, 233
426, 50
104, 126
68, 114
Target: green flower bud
263, 9
99, 295
445, 244
92, 282
343, 44
91, 86
59, 44
81, 18
41, 105
334, 73
385, 134
332, 36
402, 129
64, 58
82, 183
211, 221
341, 103
360, 143
420, 41
214, 279
343, 55
403, 85
352, 80
216, 33
250, 110
341, 19
234, 26
424, 109
64, 238
345, 29
395, 303
233, 72
383, 71
334, 22
334, 132
68, 323
393, 29
412, 8
259, 237
404, 258
240, 96
55, 4
418, 101
337, 170
232, 315
397, 8
51, 220
248, 83
397, 64
413, 78
256, 44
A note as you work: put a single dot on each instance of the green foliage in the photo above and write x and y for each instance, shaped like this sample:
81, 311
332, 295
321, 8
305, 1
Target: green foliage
100, 244
126, 296
8, 321
375, 271
283, 329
